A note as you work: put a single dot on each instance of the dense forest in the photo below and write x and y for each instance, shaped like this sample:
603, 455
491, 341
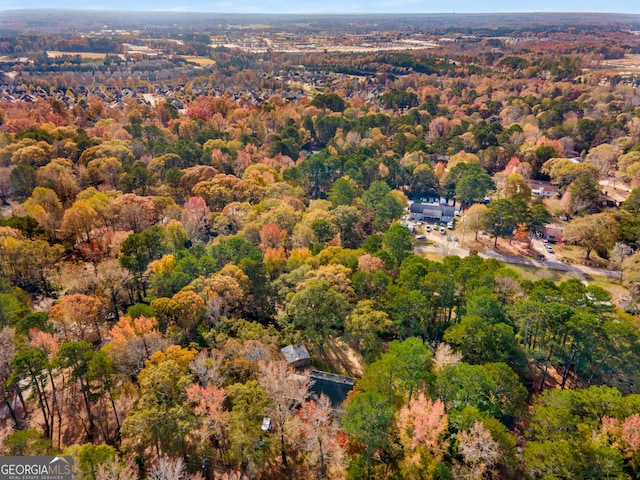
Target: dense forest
155, 258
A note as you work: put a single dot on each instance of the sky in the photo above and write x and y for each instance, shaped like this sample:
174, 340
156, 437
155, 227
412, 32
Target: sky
338, 6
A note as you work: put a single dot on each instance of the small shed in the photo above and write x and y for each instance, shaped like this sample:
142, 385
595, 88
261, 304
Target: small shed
267, 425
296, 355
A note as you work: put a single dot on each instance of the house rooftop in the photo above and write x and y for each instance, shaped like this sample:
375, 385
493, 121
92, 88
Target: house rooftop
296, 355
336, 387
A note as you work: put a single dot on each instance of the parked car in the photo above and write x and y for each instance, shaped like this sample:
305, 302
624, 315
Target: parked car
443, 231
450, 225
421, 237
549, 249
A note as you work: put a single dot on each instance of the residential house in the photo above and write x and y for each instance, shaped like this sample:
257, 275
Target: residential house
543, 189
552, 233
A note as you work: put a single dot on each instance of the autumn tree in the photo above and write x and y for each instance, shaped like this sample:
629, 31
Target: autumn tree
604, 158
115, 285
88, 458
78, 221
195, 218
422, 425
79, 317
285, 390
517, 186
474, 218
58, 175
271, 236
318, 430
599, 232
44, 205
208, 404
134, 212
169, 469
189, 310
133, 341
563, 171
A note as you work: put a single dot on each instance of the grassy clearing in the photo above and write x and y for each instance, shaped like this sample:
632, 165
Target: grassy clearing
576, 255
432, 256
532, 273
202, 61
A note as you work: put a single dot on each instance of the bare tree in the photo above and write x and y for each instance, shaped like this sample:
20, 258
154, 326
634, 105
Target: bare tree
206, 367
286, 389
445, 356
168, 469
114, 470
318, 427
479, 451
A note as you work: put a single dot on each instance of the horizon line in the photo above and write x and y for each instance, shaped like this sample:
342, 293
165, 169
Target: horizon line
313, 13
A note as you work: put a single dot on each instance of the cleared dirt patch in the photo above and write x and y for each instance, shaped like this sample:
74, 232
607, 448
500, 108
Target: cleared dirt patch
337, 357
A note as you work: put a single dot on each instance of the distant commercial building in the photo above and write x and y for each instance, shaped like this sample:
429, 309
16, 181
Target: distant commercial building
440, 210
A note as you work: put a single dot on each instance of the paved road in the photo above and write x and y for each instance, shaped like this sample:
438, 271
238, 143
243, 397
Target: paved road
444, 247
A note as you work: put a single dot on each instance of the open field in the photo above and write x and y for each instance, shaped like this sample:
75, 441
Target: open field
528, 272
629, 65
202, 61
85, 55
